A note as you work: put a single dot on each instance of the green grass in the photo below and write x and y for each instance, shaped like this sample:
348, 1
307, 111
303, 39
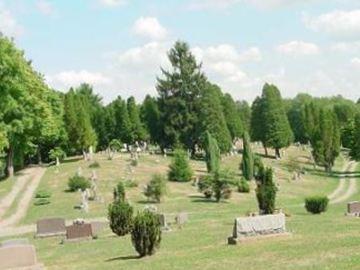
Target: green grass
6, 186
327, 241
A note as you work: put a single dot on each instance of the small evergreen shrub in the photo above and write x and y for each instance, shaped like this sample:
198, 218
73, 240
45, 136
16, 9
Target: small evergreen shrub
119, 192
243, 186
94, 165
134, 162
266, 190
205, 186
120, 215
131, 183
216, 185
180, 169
78, 182
146, 233
316, 204
42, 201
156, 188
42, 194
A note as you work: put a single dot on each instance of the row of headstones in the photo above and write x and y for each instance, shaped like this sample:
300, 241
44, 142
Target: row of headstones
78, 230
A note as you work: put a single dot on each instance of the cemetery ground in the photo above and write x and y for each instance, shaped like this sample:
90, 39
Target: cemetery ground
327, 241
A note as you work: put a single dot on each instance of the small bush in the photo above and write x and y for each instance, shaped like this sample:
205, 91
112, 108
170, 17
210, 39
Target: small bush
243, 186
180, 169
78, 182
42, 201
131, 183
120, 216
156, 188
94, 165
134, 162
205, 186
119, 192
146, 233
217, 185
42, 194
316, 204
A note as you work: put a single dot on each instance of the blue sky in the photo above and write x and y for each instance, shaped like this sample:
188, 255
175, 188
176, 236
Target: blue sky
119, 45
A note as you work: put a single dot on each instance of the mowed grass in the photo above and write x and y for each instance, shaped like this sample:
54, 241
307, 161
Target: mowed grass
327, 241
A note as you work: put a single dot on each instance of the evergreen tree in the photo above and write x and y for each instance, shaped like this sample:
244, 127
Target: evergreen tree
211, 117
150, 115
212, 153
179, 92
121, 125
244, 111
248, 158
258, 122
232, 117
355, 146
266, 191
180, 169
326, 140
138, 132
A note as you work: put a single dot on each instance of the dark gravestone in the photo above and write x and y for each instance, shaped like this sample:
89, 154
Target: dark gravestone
14, 242
78, 231
50, 227
353, 208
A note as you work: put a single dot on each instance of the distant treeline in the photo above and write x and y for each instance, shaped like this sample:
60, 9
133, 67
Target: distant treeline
35, 119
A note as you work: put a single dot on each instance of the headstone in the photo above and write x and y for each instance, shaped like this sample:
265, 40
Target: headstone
50, 227
152, 208
353, 208
79, 171
181, 218
97, 227
257, 225
78, 231
19, 257
14, 242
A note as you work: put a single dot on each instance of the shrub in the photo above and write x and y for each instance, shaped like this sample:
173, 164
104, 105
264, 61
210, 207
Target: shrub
146, 233
94, 165
247, 164
42, 194
205, 186
120, 215
119, 192
180, 169
217, 185
212, 153
78, 182
266, 190
156, 188
130, 183
243, 186
134, 162
42, 201
316, 204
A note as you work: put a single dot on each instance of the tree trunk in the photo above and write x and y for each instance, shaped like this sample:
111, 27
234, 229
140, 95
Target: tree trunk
277, 153
39, 157
266, 150
84, 155
57, 161
10, 162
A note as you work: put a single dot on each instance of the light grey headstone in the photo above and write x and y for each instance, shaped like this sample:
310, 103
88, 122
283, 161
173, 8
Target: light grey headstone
50, 227
18, 257
181, 218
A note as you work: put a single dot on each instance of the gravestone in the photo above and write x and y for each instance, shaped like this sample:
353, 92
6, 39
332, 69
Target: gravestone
19, 257
14, 242
353, 208
50, 227
163, 222
181, 218
257, 226
78, 231
97, 227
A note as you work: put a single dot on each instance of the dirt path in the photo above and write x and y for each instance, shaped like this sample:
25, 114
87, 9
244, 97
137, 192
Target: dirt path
19, 184
34, 175
343, 193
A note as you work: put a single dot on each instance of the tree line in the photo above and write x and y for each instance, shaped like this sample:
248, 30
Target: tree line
35, 119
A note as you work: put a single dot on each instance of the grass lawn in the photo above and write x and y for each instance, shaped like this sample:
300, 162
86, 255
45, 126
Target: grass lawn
327, 241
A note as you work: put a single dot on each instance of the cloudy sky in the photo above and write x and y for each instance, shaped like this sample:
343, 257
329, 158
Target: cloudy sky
119, 45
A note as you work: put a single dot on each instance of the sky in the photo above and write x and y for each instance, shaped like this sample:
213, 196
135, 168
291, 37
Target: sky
118, 46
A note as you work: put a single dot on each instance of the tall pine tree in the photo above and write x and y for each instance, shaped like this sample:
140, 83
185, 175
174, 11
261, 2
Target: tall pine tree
248, 158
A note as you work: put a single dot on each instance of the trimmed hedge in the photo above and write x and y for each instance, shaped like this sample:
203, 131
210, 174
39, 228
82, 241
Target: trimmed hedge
78, 182
316, 204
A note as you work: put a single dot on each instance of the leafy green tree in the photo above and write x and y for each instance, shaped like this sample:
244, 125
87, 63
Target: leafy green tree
326, 140
248, 158
232, 117
57, 154
146, 233
355, 146
180, 169
211, 117
266, 191
212, 153
179, 91
120, 215
122, 124
150, 115
137, 129
244, 112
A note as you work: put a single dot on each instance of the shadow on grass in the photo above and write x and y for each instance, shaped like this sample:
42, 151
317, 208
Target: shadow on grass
333, 174
71, 160
202, 199
147, 202
131, 257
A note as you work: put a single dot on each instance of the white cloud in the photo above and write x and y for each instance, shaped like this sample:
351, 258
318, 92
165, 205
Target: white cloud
45, 7
112, 3
355, 62
66, 79
298, 48
337, 24
8, 24
149, 27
